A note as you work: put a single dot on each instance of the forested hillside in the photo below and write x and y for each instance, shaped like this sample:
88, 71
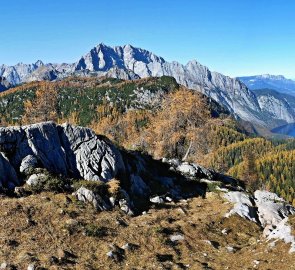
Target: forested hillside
159, 117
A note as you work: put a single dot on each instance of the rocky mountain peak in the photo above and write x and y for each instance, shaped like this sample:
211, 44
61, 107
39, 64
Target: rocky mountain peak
129, 62
39, 63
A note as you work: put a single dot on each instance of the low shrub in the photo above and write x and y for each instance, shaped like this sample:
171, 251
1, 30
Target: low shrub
98, 187
51, 183
114, 187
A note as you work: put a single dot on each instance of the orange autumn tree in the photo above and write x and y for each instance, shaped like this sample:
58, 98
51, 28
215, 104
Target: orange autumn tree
176, 130
43, 107
123, 128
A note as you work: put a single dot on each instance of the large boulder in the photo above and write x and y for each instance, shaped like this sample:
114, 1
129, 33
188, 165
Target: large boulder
65, 150
89, 156
271, 208
268, 210
28, 164
40, 140
43, 139
242, 205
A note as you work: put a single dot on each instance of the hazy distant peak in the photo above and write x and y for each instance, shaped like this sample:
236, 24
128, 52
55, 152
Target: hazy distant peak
276, 82
273, 77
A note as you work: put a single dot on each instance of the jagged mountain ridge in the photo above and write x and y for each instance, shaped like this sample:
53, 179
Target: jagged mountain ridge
275, 82
128, 62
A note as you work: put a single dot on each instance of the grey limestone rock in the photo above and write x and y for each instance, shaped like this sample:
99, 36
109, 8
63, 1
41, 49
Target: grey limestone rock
268, 210
35, 179
85, 195
29, 163
4, 84
64, 150
242, 205
271, 208
89, 156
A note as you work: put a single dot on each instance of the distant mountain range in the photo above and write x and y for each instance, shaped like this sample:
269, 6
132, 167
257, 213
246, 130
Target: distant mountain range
278, 83
128, 62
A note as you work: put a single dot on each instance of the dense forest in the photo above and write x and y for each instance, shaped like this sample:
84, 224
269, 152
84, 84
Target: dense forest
161, 118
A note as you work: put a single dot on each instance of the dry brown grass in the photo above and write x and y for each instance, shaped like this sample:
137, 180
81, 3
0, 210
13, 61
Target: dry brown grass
35, 228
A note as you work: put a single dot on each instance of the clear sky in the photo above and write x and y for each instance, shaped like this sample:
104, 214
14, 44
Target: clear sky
234, 37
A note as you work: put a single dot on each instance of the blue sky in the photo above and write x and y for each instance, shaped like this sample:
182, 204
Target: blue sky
234, 37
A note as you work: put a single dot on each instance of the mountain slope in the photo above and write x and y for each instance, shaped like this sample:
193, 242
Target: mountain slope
231, 93
92, 93
279, 105
128, 62
278, 83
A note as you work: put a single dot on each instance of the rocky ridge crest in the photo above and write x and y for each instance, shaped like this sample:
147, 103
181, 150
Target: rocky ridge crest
69, 151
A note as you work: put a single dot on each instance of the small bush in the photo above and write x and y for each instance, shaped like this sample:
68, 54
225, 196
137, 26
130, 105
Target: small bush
98, 187
51, 183
211, 187
114, 187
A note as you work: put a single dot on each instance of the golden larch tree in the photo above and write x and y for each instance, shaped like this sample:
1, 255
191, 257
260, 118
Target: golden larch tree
43, 107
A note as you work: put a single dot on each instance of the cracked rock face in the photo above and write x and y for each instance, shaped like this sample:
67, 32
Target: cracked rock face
271, 208
242, 205
89, 156
66, 150
4, 84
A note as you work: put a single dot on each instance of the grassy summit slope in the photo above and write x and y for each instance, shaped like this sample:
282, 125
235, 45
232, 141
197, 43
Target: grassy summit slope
54, 231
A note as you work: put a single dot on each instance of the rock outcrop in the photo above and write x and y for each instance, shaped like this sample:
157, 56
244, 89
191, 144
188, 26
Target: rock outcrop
266, 209
32, 153
29, 153
66, 150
